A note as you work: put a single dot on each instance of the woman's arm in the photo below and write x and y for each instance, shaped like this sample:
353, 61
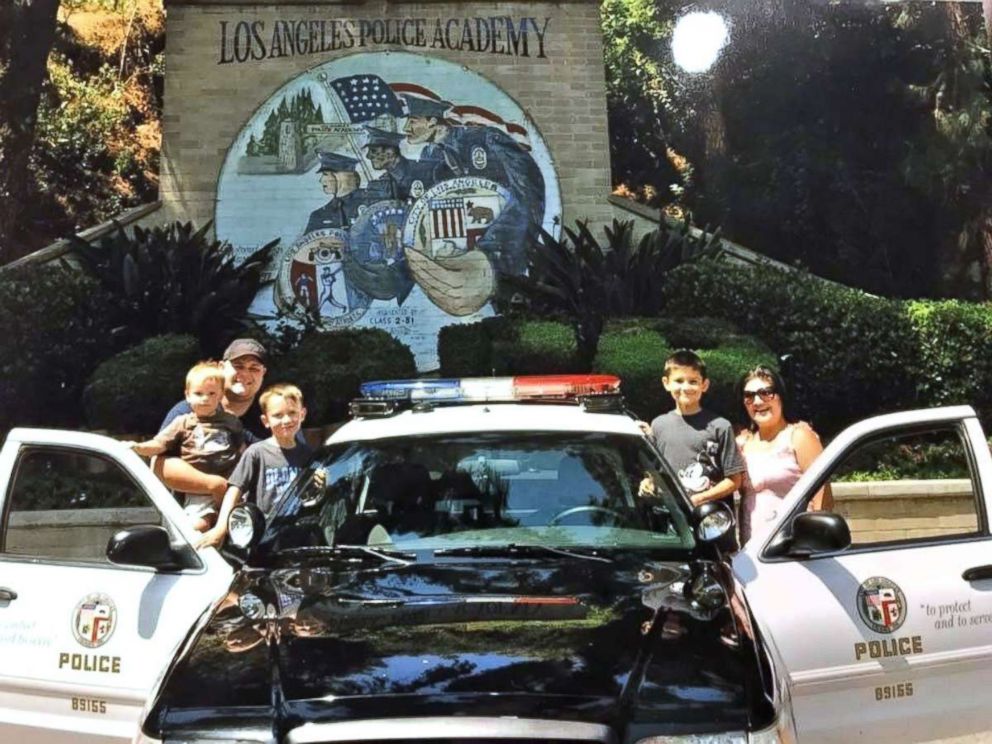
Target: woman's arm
807, 445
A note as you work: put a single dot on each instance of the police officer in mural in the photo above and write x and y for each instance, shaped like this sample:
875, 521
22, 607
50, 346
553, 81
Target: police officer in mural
402, 178
457, 150
339, 181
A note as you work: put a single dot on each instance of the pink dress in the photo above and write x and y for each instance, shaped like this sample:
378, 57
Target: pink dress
771, 474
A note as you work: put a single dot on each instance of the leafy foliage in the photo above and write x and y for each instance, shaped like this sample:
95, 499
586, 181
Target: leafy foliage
955, 348
588, 282
175, 280
130, 392
328, 368
846, 354
54, 329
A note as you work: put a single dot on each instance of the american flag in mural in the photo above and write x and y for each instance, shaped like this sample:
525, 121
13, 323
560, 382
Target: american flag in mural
448, 218
366, 97
468, 115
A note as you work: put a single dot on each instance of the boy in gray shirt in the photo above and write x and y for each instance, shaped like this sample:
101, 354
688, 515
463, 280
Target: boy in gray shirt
268, 467
697, 443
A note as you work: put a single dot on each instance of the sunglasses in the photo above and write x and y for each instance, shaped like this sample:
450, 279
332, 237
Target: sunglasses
765, 393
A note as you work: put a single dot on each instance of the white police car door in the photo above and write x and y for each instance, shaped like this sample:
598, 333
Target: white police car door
890, 639
82, 640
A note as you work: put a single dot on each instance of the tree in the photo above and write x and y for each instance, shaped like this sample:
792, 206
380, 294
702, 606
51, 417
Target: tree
27, 31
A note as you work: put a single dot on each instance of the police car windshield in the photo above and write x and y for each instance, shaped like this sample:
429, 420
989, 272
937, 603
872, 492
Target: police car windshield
435, 493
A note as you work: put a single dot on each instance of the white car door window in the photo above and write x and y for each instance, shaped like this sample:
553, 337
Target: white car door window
83, 640
890, 638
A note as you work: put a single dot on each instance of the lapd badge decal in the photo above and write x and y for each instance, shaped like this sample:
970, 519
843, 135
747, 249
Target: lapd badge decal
94, 620
881, 604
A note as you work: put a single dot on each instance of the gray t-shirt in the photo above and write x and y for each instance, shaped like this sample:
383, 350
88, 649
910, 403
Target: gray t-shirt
266, 469
700, 447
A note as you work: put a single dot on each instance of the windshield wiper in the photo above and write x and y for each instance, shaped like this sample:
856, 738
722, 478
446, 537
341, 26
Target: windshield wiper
348, 551
512, 550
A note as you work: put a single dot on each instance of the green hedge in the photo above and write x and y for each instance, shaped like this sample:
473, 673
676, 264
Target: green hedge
634, 349
506, 346
131, 392
846, 354
955, 353
55, 328
328, 368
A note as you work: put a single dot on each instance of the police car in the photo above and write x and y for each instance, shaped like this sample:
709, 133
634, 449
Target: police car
499, 559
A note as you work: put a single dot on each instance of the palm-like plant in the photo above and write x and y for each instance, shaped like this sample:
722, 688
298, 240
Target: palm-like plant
588, 282
174, 279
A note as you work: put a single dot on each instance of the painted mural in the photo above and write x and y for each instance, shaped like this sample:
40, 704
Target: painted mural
401, 188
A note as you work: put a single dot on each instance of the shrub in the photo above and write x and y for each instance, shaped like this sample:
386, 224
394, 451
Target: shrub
467, 350
506, 346
535, 347
846, 354
955, 353
328, 368
55, 327
588, 282
175, 280
132, 391
636, 351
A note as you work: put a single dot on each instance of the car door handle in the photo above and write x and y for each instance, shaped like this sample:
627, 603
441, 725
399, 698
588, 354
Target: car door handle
7, 595
977, 573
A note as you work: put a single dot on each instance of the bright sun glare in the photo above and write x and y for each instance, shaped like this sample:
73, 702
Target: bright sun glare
698, 39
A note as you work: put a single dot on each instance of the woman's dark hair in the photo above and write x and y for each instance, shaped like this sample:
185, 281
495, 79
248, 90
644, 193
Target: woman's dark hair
761, 372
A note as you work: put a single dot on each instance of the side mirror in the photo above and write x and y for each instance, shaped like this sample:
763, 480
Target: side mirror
811, 533
245, 526
714, 520
147, 546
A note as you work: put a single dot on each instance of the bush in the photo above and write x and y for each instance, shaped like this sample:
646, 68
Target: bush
636, 351
535, 347
328, 368
55, 327
506, 346
174, 279
131, 392
955, 353
846, 354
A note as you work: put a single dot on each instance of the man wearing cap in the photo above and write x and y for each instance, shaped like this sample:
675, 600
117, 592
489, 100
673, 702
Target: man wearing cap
339, 181
458, 150
244, 371
402, 177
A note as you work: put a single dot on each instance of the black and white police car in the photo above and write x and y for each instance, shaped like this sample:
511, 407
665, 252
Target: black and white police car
481, 561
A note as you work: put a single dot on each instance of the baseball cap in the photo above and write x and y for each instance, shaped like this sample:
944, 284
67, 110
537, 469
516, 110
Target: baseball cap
240, 347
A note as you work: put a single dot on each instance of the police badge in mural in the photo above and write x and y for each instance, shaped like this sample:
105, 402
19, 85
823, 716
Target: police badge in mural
94, 620
403, 188
881, 604
312, 281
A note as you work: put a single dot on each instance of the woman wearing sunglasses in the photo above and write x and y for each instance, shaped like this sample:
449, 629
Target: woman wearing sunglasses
777, 450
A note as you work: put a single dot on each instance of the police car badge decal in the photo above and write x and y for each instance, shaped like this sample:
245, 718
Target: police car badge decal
881, 604
94, 620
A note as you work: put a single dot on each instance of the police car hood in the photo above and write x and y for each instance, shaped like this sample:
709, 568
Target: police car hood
571, 638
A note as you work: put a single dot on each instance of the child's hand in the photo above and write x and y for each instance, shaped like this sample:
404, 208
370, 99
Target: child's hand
212, 538
646, 489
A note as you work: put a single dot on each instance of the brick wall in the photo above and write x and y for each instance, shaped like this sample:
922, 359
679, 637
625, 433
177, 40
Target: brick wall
207, 103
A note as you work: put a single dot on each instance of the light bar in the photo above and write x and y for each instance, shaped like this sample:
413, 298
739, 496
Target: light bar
485, 389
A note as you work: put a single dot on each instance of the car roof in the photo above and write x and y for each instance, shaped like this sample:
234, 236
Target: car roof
486, 417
